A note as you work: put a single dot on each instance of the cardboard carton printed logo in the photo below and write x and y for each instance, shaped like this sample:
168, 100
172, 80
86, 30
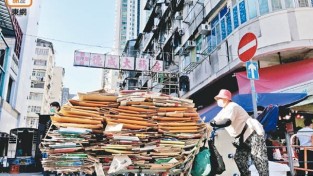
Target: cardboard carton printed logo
18, 3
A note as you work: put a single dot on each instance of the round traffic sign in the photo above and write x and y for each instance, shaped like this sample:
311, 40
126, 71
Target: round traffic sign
247, 47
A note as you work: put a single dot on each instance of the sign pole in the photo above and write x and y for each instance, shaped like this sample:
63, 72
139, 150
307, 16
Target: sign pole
247, 47
253, 94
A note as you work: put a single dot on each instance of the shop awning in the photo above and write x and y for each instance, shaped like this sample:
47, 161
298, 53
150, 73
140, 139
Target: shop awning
277, 77
263, 99
304, 106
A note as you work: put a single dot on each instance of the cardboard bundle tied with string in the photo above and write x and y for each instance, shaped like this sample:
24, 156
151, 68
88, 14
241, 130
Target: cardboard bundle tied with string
78, 125
144, 132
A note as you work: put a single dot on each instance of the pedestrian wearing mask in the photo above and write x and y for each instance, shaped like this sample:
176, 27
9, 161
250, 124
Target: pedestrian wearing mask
248, 134
54, 107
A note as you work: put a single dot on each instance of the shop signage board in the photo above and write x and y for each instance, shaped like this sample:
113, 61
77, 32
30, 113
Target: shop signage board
95, 60
156, 66
247, 47
81, 59
252, 70
142, 64
127, 63
112, 61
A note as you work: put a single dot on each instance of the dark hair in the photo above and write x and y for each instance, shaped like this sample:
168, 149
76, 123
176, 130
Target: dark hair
307, 122
56, 104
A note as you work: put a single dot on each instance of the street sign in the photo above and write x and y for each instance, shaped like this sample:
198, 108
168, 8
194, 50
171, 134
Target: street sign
252, 70
247, 47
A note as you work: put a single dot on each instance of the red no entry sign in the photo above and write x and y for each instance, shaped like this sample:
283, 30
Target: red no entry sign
247, 47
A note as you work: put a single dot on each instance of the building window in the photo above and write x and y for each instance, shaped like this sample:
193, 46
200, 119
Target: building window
263, 6
235, 17
10, 90
276, 5
41, 51
35, 96
223, 28
1, 73
242, 12
34, 109
40, 75
290, 3
252, 7
40, 62
33, 123
303, 3
35, 84
229, 23
2, 54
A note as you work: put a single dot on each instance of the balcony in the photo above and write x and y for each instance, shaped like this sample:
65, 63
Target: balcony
147, 40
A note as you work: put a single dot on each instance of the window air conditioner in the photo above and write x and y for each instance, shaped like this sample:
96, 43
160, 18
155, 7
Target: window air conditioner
178, 16
160, 2
205, 29
190, 44
157, 9
189, 2
154, 28
156, 21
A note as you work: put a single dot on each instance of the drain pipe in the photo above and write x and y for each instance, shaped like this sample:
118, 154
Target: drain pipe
227, 50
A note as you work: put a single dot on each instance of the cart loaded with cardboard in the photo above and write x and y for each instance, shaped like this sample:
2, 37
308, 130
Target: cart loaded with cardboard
132, 132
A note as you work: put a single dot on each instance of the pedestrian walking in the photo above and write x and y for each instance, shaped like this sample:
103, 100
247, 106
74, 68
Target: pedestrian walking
305, 136
248, 134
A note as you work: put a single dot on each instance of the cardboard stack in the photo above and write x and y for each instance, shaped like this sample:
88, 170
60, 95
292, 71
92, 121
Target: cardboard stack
79, 124
145, 132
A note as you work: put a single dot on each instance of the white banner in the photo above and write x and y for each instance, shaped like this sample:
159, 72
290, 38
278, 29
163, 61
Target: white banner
81, 59
127, 63
112, 61
156, 65
142, 64
97, 60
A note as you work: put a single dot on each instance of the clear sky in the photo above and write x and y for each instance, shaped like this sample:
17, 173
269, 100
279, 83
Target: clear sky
89, 22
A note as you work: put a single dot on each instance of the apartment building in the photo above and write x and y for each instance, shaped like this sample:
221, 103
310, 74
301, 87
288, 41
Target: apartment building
130, 18
10, 61
198, 40
46, 82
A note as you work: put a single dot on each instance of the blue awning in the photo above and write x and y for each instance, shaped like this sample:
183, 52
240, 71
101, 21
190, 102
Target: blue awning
263, 99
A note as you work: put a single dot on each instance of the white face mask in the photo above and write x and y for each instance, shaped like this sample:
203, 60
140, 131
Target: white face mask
220, 103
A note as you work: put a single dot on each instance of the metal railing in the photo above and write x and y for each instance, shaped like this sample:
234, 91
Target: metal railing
305, 159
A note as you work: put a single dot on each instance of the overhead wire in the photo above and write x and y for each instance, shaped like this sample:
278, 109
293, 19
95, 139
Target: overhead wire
111, 48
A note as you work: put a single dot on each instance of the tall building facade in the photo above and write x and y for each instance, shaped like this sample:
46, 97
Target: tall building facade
66, 95
46, 82
10, 62
57, 84
127, 23
29, 25
130, 19
202, 38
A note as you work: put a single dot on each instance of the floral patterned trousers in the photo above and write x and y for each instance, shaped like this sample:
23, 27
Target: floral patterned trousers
256, 148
